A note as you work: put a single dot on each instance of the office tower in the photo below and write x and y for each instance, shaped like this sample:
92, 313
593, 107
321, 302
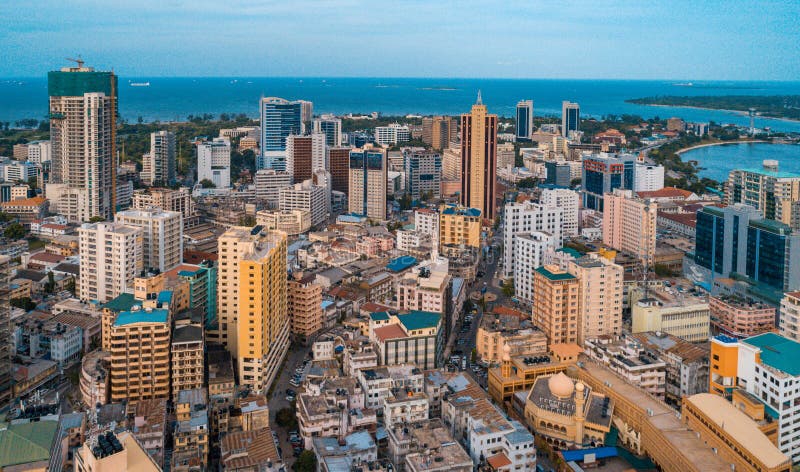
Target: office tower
773, 255
603, 173
305, 196
279, 119
268, 183
527, 217
721, 238
331, 128
768, 190
570, 117
423, 175
252, 305
83, 119
6, 346
600, 282
159, 164
479, 160
648, 178
367, 190
556, 304
765, 367
110, 258
179, 200
629, 224
305, 305
139, 343
304, 155
162, 236
570, 202
438, 131
529, 250
214, 162
451, 163
339, 166
306, 113
524, 120
458, 226
392, 134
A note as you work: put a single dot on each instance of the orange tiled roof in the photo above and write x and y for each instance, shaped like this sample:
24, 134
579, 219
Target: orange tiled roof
392, 331
34, 201
665, 192
498, 461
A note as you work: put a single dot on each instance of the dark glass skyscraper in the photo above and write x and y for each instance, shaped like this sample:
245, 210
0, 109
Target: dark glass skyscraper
279, 119
524, 120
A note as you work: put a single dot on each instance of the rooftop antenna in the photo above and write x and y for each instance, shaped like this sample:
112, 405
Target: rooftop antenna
78, 61
479, 101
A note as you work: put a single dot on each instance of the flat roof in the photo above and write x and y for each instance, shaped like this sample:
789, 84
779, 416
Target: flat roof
554, 276
740, 427
420, 320
142, 316
123, 302
777, 352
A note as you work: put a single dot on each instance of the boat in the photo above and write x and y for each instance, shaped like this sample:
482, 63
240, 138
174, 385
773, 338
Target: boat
140, 84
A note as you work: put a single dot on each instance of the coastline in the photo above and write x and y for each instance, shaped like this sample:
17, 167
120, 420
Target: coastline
721, 143
735, 112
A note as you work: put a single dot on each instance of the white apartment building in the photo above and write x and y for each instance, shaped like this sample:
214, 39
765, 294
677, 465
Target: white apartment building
625, 356
529, 251
426, 222
425, 288
159, 165
378, 382
15, 171
268, 183
392, 134
527, 217
39, 152
110, 258
789, 318
162, 234
406, 240
214, 162
305, 196
404, 407
570, 202
601, 292
648, 178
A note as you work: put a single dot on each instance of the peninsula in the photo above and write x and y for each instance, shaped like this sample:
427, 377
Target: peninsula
773, 106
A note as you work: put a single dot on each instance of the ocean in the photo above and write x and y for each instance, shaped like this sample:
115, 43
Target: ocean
717, 161
174, 98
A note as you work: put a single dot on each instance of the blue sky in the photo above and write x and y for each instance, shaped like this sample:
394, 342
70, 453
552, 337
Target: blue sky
699, 40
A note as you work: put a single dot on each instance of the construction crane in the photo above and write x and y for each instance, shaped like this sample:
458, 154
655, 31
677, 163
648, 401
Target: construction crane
78, 61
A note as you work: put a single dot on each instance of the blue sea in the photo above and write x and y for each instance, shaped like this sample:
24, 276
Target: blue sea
173, 99
717, 161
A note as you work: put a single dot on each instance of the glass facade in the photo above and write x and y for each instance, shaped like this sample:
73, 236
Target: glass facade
709, 241
767, 253
279, 119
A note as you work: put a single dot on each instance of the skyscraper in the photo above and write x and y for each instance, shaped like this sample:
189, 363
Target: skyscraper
479, 159
629, 224
83, 109
5, 333
603, 173
214, 162
159, 164
304, 155
438, 131
162, 236
331, 128
423, 174
111, 257
339, 163
570, 117
367, 189
524, 120
279, 119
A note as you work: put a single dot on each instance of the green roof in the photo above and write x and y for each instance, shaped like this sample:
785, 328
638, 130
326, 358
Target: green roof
75, 84
124, 302
26, 443
571, 251
777, 352
552, 276
142, 316
419, 320
379, 316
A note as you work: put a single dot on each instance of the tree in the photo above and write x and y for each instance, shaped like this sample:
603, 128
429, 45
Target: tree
286, 418
508, 287
306, 462
50, 286
205, 183
96, 219
23, 302
14, 231
528, 182
247, 220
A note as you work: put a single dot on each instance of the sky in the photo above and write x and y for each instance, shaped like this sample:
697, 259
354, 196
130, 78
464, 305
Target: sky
693, 40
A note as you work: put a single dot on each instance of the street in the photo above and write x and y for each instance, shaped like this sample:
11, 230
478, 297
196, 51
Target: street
278, 401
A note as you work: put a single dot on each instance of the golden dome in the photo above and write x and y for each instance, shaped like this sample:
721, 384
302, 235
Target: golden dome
560, 385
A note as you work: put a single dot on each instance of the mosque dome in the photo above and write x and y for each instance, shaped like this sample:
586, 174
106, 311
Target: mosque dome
560, 385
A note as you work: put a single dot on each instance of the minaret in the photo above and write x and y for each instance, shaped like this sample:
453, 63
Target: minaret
506, 367
580, 417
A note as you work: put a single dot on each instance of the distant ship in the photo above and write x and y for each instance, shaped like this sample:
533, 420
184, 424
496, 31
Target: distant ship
686, 84
140, 84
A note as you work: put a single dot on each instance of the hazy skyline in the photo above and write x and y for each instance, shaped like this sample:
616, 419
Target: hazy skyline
735, 40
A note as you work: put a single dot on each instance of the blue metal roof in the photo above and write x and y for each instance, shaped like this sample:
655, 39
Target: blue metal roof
142, 316
164, 296
401, 263
599, 453
379, 316
419, 320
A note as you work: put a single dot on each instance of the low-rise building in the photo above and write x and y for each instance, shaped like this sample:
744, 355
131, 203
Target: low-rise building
512, 328
291, 222
789, 319
415, 337
333, 408
681, 314
686, 363
426, 446
625, 356
191, 434
246, 451
404, 406
741, 318
112, 453
341, 454
377, 383
150, 427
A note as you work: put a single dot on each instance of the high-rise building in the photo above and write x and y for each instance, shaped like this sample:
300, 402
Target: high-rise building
159, 164
600, 282
305, 196
721, 238
603, 173
339, 167
279, 119
451, 162
83, 119
458, 226
529, 250
438, 131
331, 128
570, 202
789, 317
524, 120
6, 346
188, 351
768, 190
367, 189
479, 160
304, 155
629, 224
305, 306
110, 258
179, 200
162, 235
251, 302
392, 134
423, 174
556, 304
570, 117
524, 218
214, 162
268, 183
647, 177
306, 112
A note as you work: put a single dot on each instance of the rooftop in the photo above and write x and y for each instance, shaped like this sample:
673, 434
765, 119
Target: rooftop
123, 302
415, 320
142, 316
554, 275
391, 331
777, 352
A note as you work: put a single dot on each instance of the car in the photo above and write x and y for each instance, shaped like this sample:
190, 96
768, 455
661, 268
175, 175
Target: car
290, 398
294, 383
289, 391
